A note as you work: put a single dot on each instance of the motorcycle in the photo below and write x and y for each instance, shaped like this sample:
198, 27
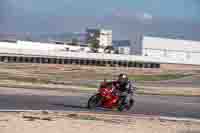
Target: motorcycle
108, 97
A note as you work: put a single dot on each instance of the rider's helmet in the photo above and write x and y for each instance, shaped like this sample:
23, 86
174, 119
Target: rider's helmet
122, 78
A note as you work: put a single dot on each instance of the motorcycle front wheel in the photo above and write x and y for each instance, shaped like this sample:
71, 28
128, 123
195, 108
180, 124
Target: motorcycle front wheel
94, 101
127, 107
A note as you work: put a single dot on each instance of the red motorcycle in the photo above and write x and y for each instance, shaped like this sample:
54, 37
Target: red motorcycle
108, 97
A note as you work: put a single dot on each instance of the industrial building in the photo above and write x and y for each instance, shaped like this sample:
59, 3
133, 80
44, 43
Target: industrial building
159, 47
102, 36
122, 46
142, 51
170, 48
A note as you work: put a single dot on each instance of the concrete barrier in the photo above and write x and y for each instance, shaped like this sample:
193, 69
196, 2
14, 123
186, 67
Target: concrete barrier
64, 57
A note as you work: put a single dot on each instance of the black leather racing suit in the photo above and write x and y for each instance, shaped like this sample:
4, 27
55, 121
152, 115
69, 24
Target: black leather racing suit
126, 90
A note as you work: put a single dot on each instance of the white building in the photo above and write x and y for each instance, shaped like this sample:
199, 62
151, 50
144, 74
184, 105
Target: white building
122, 46
170, 48
105, 38
102, 36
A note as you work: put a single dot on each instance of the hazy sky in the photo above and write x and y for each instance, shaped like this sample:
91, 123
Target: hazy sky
184, 9
178, 16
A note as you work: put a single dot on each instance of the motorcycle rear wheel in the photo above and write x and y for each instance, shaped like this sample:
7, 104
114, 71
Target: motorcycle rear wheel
94, 101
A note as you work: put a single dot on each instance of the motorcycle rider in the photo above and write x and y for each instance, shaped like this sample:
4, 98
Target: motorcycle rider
125, 87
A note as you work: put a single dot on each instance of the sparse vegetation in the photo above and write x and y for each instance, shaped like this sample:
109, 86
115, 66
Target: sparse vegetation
33, 118
61, 73
158, 77
94, 46
82, 117
42, 76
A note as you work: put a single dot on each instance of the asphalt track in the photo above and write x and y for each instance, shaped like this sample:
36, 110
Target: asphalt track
27, 99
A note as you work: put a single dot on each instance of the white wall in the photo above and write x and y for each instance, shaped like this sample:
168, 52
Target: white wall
195, 56
38, 45
124, 50
44, 46
32, 45
174, 55
171, 48
164, 53
170, 44
72, 48
153, 52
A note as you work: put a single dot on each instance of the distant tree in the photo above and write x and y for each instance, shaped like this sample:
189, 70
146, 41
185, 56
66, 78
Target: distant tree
108, 49
116, 51
94, 45
28, 37
74, 41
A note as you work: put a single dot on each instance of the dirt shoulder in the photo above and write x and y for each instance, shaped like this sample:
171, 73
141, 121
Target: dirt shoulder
45, 73
89, 123
87, 78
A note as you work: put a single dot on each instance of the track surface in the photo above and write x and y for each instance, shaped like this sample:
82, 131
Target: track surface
13, 98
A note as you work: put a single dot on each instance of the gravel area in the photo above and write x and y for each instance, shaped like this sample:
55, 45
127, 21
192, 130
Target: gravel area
89, 123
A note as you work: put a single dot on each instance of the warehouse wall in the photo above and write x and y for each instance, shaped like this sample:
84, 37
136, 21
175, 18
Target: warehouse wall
170, 48
153, 52
170, 44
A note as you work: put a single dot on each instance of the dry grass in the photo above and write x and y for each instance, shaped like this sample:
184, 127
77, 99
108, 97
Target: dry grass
45, 73
43, 76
